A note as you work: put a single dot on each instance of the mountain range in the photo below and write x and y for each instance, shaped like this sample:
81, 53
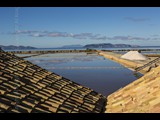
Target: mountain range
109, 45
72, 46
101, 45
12, 47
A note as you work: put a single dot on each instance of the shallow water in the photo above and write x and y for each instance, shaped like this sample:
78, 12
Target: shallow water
93, 71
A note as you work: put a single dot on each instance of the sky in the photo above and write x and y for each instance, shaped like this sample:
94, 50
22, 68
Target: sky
49, 27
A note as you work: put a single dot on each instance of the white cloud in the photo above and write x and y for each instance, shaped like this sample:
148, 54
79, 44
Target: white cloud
86, 35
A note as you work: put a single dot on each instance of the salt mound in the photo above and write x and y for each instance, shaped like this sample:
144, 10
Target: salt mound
134, 55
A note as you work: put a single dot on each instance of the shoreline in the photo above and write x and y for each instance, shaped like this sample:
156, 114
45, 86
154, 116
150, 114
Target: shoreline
51, 51
132, 65
109, 54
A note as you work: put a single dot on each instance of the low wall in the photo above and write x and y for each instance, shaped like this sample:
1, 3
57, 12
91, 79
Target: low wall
50, 51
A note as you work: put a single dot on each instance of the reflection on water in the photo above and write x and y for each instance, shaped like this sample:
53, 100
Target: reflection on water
96, 72
64, 58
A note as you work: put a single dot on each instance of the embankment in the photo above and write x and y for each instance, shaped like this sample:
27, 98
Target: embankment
127, 63
50, 51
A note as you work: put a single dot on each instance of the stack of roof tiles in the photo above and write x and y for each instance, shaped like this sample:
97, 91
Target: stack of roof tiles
28, 88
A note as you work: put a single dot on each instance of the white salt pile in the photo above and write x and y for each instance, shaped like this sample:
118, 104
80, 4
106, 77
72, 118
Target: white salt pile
134, 55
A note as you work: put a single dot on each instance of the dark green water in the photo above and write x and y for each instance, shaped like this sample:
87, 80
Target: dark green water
93, 71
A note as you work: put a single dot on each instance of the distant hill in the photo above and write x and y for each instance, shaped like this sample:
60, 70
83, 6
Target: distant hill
12, 47
72, 46
109, 45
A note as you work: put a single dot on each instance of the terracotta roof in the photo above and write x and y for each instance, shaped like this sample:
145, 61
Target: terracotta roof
28, 88
142, 95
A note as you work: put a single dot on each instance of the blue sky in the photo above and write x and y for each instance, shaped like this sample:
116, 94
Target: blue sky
58, 26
